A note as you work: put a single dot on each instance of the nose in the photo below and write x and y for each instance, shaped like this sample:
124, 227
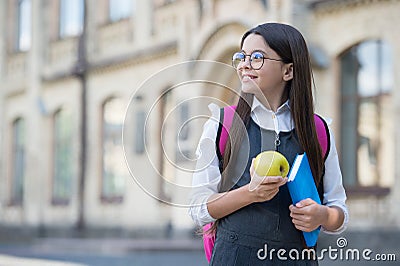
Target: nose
245, 64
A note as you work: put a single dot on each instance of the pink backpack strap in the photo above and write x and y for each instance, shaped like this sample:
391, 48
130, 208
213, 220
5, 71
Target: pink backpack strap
225, 123
323, 135
208, 241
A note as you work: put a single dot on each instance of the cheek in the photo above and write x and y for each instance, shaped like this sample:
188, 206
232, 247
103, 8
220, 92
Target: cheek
265, 77
271, 75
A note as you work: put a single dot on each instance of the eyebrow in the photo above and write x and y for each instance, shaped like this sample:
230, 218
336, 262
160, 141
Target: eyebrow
256, 50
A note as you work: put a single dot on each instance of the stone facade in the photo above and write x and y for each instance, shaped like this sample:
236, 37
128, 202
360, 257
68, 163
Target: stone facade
121, 56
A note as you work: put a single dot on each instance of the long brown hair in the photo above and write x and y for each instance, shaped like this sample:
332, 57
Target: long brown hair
290, 45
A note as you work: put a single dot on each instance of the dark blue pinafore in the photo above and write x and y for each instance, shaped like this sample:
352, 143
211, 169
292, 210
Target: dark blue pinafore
249, 235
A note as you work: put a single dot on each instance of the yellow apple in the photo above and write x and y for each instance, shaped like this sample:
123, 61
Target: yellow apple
271, 163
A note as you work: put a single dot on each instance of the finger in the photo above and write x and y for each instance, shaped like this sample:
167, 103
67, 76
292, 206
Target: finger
304, 203
297, 216
272, 179
303, 228
304, 225
295, 210
269, 186
303, 219
284, 181
279, 182
301, 222
297, 221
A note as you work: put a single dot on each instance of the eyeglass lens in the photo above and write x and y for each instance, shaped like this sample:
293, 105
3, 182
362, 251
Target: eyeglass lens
256, 59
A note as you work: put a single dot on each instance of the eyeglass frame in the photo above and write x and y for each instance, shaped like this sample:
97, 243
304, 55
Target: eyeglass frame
249, 55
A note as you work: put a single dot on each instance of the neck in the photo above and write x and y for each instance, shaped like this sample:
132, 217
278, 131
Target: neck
272, 103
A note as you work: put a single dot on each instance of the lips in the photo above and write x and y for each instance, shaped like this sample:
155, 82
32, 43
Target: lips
248, 76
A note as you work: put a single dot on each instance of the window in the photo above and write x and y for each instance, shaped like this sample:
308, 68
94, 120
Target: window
184, 121
168, 130
24, 25
71, 17
119, 9
114, 168
159, 3
367, 132
265, 3
62, 160
18, 162
140, 130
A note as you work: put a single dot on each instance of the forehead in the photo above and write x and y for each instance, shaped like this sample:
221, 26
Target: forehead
255, 42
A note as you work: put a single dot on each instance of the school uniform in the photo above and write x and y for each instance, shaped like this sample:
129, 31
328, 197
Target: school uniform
248, 235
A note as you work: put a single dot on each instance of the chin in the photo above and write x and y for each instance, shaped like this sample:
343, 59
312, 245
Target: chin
250, 88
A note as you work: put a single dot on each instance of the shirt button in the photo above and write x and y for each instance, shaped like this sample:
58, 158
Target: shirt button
233, 237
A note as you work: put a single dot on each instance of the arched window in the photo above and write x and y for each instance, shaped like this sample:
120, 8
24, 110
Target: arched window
62, 159
18, 162
367, 133
113, 162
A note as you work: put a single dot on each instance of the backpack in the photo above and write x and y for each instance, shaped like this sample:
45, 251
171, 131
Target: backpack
226, 118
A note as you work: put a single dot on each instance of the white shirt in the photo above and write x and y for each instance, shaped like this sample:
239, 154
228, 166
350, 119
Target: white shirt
207, 176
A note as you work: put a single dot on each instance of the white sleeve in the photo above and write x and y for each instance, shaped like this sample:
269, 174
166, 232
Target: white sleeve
206, 176
334, 193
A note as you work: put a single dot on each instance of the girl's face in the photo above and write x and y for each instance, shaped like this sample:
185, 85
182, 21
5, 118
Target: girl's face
268, 81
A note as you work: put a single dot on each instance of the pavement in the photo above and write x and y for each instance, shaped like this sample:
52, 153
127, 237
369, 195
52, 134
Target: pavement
102, 251
18, 261
178, 251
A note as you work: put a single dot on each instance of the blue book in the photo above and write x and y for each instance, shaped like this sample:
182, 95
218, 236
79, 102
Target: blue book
301, 186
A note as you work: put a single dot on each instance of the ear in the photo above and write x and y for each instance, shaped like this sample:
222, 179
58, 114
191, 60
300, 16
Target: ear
287, 72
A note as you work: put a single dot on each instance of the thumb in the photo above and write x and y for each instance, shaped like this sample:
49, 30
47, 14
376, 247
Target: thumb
252, 168
304, 202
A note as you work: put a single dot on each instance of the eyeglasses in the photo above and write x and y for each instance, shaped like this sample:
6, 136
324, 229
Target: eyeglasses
256, 59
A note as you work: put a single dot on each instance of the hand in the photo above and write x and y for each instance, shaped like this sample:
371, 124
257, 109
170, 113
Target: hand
263, 188
307, 215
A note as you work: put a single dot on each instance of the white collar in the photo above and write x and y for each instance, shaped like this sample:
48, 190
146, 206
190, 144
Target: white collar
257, 104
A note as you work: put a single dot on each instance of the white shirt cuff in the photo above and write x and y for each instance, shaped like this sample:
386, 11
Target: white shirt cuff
343, 227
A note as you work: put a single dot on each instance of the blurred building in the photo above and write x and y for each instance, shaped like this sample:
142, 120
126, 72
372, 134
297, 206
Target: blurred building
69, 69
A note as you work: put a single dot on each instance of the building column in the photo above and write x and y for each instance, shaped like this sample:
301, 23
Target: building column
396, 107
3, 44
35, 184
142, 20
281, 10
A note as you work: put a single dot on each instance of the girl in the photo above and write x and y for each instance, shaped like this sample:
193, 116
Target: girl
275, 112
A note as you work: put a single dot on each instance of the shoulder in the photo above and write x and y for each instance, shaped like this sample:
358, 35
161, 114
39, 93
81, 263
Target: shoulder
323, 134
210, 127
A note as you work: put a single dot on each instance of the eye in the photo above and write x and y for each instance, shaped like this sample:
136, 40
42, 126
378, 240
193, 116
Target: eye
238, 57
257, 56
